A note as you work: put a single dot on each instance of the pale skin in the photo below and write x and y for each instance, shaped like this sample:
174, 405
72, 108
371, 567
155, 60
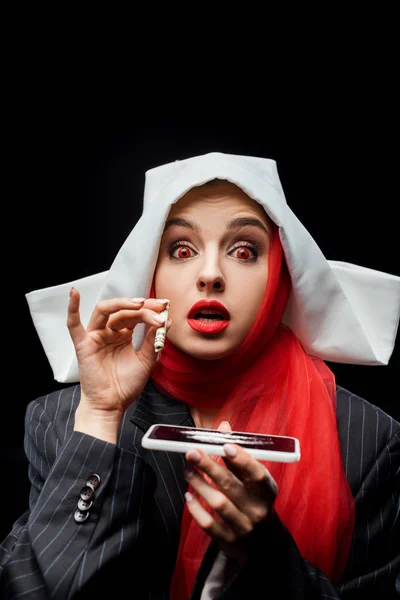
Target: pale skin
215, 263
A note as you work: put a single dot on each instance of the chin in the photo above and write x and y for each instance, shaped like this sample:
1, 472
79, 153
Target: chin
201, 352
207, 355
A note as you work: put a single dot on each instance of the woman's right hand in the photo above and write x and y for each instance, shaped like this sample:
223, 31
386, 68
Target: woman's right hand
112, 374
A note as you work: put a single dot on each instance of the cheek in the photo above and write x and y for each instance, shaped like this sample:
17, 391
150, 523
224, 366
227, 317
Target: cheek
163, 287
168, 286
253, 296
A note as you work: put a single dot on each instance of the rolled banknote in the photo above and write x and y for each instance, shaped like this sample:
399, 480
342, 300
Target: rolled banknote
161, 331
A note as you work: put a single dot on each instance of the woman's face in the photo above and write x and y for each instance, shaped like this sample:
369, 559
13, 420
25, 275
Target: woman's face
209, 252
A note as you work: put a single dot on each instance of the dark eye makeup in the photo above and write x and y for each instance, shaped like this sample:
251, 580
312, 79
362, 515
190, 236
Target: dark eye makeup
250, 244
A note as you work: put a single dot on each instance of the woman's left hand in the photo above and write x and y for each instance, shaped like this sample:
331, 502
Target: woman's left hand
245, 496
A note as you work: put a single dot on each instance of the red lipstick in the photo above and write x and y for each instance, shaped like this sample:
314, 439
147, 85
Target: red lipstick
208, 316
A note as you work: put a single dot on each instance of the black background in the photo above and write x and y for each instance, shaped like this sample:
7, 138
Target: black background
77, 153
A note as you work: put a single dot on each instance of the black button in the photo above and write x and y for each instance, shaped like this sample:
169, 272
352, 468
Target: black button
84, 504
87, 492
94, 481
80, 516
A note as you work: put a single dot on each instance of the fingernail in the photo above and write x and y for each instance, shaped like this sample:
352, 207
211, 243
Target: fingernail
160, 318
70, 291
189, 497
162, 301
193, 455
138, 300
230, 450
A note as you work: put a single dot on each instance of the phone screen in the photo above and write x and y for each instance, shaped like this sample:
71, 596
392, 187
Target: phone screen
210, 436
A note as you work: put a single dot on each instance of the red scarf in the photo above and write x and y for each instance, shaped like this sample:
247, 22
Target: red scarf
271, 385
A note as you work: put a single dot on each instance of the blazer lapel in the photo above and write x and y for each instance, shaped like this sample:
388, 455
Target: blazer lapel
153, 407
150, 408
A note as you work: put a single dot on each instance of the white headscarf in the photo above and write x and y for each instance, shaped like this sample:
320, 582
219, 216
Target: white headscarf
340, 312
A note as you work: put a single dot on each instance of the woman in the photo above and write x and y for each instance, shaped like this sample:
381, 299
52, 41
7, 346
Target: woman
107, 514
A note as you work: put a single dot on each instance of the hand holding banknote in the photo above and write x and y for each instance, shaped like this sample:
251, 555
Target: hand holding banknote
112, 373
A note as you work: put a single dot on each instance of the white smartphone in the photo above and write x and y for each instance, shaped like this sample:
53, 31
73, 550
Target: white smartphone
172, 438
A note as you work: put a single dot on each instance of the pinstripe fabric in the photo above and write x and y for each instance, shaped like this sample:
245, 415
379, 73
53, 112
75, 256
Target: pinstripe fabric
370, 443
129, 542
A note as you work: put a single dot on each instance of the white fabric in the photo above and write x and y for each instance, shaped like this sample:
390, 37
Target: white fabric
340, 312
220, 575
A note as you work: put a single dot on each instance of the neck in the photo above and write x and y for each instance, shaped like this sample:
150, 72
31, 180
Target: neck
203, 417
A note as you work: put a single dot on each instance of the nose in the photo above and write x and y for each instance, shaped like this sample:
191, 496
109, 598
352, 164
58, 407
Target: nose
210, 276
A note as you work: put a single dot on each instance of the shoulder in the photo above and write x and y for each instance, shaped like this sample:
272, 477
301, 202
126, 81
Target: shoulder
56, 408
366, 433
356, 413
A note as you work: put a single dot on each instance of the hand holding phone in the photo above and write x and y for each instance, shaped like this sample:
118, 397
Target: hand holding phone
172, 438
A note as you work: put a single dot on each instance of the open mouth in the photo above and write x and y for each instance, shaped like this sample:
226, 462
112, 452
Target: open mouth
209, 310
209, 322
209, 316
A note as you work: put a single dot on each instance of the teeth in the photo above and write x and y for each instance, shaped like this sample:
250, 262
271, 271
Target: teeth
209, 315
213, 316
211, 320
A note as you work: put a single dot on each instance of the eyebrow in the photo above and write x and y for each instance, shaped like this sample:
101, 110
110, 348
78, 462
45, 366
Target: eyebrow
231, 225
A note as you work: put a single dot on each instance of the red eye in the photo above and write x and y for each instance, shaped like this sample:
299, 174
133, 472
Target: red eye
183, 252
243, 253
179, 251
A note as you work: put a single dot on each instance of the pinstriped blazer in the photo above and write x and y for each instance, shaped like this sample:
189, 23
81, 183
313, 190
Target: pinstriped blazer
128, 543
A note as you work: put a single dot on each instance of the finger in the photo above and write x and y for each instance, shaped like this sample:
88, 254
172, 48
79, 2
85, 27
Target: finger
250, 490
105, 308
155, 303
224, 426
250, 471
75, 327
218, 530
130, 318
220, 503
223, 478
